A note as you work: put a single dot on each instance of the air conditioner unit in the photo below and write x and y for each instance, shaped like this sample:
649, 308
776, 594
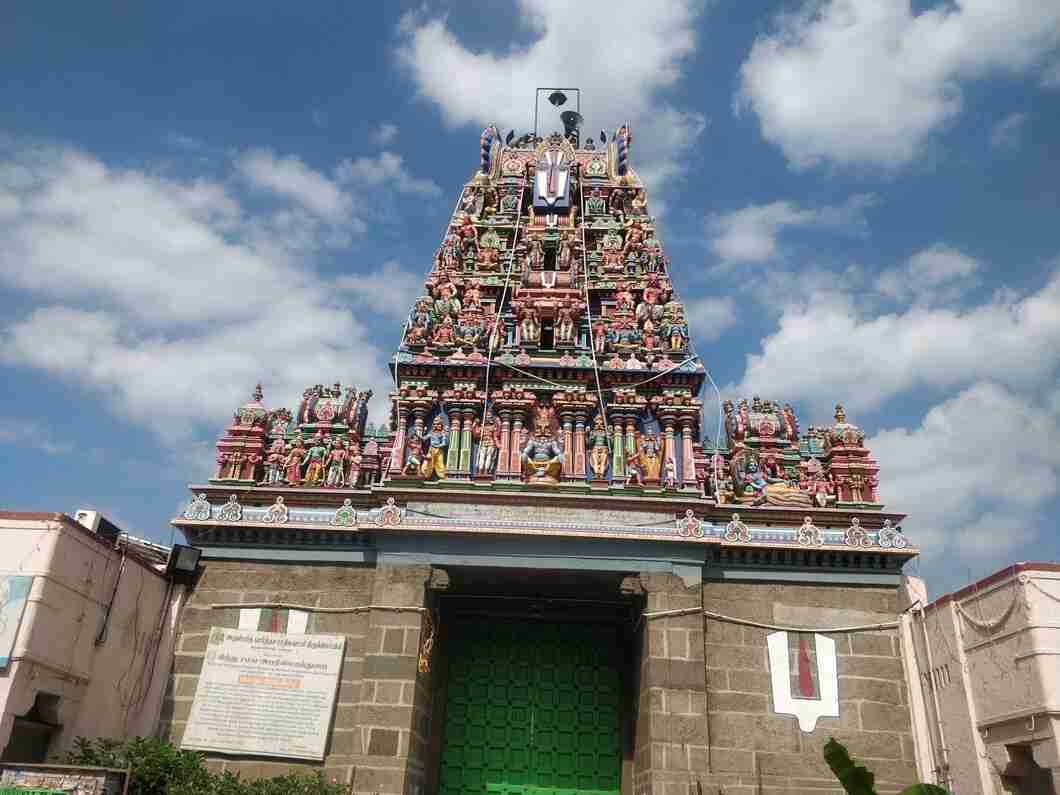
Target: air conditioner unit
89, 519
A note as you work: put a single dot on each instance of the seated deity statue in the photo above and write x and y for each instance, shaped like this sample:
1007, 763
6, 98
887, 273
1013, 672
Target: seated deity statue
542, 457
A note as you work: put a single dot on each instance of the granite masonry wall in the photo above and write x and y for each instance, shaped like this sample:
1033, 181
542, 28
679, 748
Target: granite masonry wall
704, 719
380, 713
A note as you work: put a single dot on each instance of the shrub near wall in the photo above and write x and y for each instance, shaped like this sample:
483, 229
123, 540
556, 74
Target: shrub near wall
159, 768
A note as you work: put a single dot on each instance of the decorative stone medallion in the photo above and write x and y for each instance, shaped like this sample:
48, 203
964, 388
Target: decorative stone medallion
345, 516
736, 532
231, 511
809, 534
277, 513
198, 509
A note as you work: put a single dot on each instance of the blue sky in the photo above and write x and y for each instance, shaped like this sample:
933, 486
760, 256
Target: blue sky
859, 198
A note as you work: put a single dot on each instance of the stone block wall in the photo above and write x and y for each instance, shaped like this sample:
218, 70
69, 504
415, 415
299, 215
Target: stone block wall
378, 726
704, 719
753, 750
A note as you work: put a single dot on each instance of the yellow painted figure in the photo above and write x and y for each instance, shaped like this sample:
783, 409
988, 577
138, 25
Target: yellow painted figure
437, 442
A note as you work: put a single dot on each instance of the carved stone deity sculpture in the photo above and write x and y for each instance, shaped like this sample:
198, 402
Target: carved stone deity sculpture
488, 436
437, 441
599, 448
542, 457
651, 456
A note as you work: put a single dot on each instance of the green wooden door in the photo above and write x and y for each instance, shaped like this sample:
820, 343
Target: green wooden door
532, 710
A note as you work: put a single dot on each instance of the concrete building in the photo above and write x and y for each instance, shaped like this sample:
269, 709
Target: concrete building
987, 672
87, 618
541, 577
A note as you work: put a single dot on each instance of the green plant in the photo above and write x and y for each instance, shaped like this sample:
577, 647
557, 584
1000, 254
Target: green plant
858, 780
159, 768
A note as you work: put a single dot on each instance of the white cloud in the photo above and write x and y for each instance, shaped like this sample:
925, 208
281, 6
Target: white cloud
390, 290
938, 273
827, 348
972, 494
711, 317
26, 433
171, 298
853, 81
290, 178
1006, 133
750, 234
638, 46
386, 169
385, 133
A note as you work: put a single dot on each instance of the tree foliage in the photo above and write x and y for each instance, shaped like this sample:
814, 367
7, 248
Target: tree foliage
858, 780
159, 768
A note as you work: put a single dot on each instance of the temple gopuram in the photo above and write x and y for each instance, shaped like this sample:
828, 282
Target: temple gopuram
543, 574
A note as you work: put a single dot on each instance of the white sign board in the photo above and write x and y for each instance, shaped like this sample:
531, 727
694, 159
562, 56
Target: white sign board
265, 694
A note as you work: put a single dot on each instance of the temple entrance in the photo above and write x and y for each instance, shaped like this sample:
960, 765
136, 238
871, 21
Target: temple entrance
532, 708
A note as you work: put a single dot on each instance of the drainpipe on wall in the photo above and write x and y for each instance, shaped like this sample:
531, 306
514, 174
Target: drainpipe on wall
942, 772
924, 740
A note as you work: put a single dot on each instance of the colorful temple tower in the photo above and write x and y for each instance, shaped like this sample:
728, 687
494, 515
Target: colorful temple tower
543, 576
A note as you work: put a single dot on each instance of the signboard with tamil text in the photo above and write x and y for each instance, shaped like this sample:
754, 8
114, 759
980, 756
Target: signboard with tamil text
265, 694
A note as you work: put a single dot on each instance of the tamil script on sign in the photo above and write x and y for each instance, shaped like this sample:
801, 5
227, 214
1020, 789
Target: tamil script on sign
265, 694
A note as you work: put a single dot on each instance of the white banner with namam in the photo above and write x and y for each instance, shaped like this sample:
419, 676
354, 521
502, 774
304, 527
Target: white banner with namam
265, 694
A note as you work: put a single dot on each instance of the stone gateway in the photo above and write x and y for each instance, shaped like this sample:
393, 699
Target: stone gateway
540, 576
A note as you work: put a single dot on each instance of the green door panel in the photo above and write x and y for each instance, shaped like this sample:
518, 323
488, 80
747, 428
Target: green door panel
532, 709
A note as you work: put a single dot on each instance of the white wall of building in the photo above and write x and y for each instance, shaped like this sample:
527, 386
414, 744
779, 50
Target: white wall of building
111, 688
988, 669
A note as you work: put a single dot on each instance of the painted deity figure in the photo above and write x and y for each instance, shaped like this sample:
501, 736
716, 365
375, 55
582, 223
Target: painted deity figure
542, 457
674, 327
671, 474
599, 335
754, 479
530, 326
293, 463
437, 441
446, 304
449, 254
634, 467
472, 297
634, 238
336, 473
468, 235
599, 448
488, 436
535, 257
413, 454
565, 323
488, 259
616, 203
639, 202
595, 204
355, 459
274, 463
623, 297
314, 462
469, 202
649, 306
565, 256
651, 456
443, 335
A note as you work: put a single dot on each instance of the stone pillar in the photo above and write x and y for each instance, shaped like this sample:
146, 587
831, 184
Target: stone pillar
393, 715
579, 448
670, 443
631, 434
671, 737
397, 454
504, 451
568, 446
452, 460
688, 462
618, 457
515, 468
465, 441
